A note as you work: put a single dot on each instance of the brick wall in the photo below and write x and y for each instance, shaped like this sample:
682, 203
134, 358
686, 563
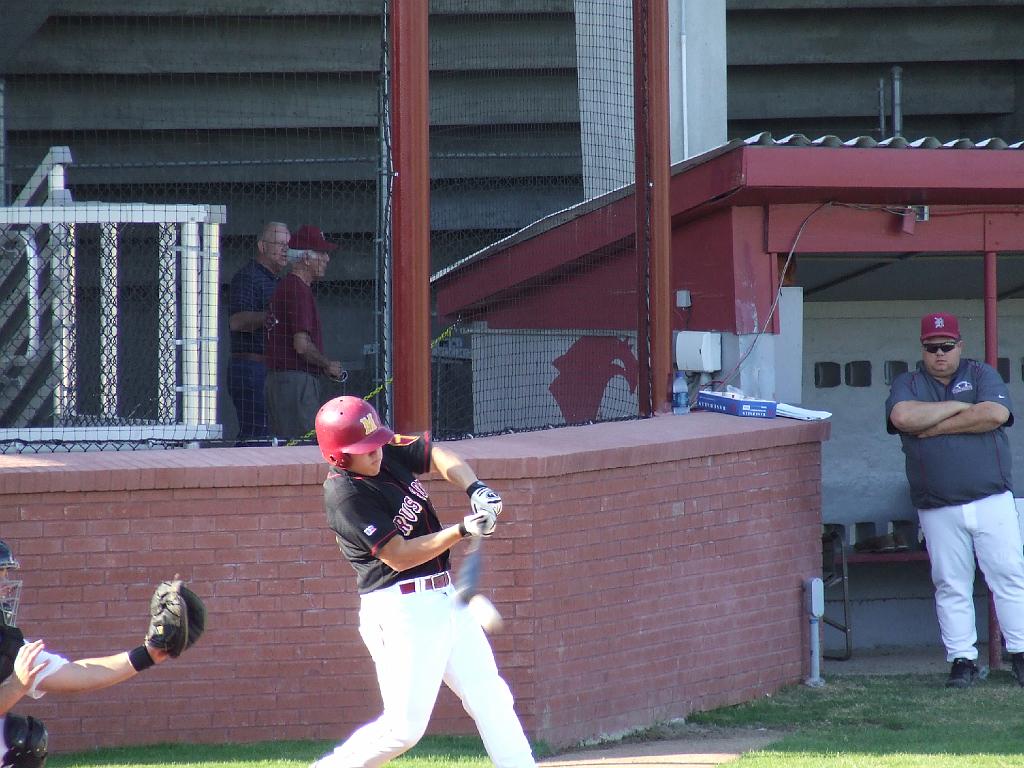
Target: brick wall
645, 569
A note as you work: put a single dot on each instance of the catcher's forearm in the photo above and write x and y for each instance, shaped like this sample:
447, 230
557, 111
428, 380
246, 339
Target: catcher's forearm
11, 692
93, 674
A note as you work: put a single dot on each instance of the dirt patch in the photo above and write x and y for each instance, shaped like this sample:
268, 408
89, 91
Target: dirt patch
683, 745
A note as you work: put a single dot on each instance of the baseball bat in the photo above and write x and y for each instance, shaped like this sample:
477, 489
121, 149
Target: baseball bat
468, 577
468, 589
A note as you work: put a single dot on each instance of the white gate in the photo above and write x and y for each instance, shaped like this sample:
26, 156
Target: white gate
64, 357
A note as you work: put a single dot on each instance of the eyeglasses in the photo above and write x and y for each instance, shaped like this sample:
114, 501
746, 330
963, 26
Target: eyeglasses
946, 346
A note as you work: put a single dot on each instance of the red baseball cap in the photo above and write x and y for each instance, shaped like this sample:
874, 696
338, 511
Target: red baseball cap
309, 238
939, 325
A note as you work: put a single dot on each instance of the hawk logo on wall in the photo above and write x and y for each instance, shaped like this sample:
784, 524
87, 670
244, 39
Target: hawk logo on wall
584, 372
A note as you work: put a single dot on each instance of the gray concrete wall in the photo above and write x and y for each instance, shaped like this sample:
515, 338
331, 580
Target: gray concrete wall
863, 475
273, 110
697, 76
813, 66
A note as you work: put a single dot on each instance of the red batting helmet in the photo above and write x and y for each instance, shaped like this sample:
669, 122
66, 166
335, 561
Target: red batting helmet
348, 425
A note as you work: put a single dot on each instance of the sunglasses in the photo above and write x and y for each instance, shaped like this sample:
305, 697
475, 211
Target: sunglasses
946, 347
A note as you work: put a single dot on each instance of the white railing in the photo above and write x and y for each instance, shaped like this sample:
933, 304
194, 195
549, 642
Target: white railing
188, 243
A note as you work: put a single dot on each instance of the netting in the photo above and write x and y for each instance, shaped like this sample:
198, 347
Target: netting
144, 152
534, 113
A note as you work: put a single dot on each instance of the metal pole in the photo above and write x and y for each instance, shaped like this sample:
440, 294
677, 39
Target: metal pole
641, 195
814, 602
110, 317
881, 108
897, 101
411, 217
3, 143
661, 222
815, 680
995, 651
382, 242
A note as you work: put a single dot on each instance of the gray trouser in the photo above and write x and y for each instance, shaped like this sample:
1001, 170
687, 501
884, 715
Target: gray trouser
293, 398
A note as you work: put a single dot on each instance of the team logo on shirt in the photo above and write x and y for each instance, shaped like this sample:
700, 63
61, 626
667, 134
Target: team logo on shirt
406, 519
370, 529
961, 386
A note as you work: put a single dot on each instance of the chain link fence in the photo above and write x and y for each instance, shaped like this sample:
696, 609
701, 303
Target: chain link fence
246, 119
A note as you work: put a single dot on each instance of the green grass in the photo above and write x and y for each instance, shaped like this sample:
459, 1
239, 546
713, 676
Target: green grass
895, 721
431, 752
892, 721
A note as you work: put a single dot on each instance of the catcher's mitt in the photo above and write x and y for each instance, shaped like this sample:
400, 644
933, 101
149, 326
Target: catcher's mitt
177, 617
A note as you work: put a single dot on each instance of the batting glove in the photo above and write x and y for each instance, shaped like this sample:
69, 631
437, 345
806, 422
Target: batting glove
478, 524
483, 499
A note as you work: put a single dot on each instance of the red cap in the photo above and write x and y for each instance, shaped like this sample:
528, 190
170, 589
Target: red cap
939, 325
309, 238
349, 425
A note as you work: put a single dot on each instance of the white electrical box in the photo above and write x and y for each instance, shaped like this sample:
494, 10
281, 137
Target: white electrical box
814, 597
699, 351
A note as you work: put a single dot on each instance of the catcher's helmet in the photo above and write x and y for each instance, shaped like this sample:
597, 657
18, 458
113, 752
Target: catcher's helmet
347, 425
10, 589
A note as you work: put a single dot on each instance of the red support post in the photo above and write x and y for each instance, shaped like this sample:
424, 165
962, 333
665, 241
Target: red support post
991, 312
410, 124
653, 220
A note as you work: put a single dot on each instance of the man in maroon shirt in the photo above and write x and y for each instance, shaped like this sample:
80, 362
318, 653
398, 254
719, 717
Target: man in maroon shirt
294, 343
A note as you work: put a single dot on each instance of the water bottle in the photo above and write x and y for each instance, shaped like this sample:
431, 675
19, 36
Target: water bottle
680, 393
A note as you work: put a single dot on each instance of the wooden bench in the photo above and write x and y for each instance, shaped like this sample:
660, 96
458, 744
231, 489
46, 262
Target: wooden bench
836, 573
906, 556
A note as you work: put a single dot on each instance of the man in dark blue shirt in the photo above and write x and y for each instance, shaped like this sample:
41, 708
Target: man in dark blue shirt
951, 415
249, 293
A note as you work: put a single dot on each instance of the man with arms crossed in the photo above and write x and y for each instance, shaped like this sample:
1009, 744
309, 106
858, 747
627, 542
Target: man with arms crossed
951, 415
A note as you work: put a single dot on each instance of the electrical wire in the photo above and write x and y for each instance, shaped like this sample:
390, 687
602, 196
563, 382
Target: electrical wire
724, 382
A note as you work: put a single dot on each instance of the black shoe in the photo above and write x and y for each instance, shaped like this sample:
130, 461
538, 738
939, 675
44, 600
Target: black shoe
964, 673
1017, 659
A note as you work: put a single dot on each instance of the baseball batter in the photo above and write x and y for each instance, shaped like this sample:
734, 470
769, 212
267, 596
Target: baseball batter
951, 415
416, 632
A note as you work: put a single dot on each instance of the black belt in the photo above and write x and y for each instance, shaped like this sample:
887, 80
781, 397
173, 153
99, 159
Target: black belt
438, 581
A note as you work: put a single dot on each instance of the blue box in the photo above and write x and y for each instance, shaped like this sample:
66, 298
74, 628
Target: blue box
721, 402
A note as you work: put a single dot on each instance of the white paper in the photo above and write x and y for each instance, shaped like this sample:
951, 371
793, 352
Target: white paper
804, 414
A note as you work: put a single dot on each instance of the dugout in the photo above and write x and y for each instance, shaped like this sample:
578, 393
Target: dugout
875, 234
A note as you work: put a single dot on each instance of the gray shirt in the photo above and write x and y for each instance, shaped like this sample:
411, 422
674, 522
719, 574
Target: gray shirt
954, 469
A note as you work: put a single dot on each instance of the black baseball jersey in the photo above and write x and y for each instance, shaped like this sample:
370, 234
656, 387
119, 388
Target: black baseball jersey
366, 512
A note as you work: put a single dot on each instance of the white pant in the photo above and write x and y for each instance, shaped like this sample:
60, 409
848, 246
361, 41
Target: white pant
986, 528
416, 641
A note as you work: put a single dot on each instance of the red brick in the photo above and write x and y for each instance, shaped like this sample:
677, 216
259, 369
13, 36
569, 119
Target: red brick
697, 542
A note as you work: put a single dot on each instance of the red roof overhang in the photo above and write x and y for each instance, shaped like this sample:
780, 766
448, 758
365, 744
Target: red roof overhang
985, 183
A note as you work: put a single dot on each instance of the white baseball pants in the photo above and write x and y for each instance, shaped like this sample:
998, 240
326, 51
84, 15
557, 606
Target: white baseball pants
987, 528
416, 641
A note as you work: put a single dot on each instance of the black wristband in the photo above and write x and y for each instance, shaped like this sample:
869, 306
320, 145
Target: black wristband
475, 486
462, 529
140, 659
